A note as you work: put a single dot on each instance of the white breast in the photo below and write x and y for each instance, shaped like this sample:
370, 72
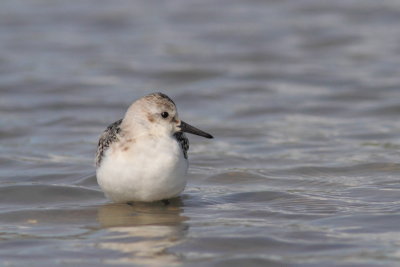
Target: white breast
144, 170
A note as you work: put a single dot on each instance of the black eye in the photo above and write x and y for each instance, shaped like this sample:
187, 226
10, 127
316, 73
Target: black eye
164, 114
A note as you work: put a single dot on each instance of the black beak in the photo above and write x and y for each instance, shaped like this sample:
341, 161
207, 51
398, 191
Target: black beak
193, 130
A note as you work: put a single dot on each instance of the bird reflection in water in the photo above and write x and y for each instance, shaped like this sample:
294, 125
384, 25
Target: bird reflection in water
143, 232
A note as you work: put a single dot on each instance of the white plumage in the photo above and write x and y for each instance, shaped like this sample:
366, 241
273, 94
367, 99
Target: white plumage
143, 157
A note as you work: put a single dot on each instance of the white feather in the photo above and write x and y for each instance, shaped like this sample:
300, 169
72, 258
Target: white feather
139, 158
151, 169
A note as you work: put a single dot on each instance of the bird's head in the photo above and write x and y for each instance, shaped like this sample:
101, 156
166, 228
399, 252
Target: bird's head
157, 114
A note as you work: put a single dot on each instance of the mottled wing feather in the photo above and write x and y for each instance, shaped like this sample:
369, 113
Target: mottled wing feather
109, 136
183, 141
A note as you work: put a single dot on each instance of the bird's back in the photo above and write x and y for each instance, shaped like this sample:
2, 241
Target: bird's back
109, 136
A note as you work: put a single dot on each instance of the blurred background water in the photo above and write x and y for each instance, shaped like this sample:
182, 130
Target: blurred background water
301, 95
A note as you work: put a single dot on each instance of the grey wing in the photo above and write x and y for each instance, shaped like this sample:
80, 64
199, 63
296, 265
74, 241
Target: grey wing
184, 142
109, 136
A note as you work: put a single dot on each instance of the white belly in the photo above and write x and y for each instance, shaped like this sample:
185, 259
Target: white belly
148, 170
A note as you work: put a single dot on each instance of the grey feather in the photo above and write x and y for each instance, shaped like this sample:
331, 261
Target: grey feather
109, 136
183, 141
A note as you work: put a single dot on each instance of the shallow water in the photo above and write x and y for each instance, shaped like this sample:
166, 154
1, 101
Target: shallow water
301, 95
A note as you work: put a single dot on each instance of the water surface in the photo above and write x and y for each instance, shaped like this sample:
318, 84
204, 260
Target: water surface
302, 97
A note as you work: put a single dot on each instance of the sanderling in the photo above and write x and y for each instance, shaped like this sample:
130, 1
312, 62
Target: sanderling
143, 157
